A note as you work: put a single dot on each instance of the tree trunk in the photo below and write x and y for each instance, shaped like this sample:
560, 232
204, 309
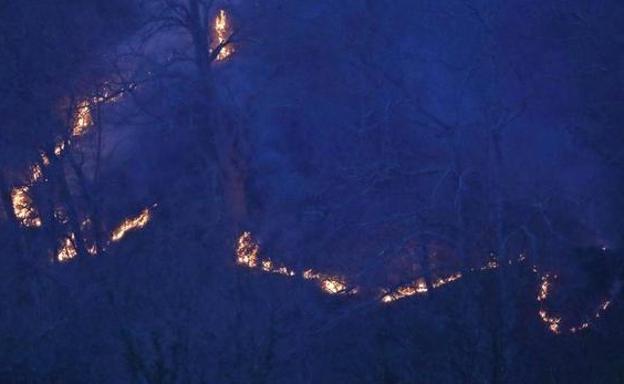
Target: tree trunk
227, 142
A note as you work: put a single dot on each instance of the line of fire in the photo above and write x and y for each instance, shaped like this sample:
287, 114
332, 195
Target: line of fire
239, 191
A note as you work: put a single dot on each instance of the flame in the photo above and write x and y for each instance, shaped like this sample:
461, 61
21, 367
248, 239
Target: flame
92, 250
59, 148
247, 254
552, 321
67, 249
269, 266
417, 287
247, 251
45, 159
23, 207
36, 173
333, 286
449, 279
82, 119
544, 286
584, 325
131, 224
492, 264
221, 31
308, 274
330, 284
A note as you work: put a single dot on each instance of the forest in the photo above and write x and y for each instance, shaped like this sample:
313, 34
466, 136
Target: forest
298, 191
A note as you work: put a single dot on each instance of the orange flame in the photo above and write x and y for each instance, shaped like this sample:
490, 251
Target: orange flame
24, 208
131, 224
221, 31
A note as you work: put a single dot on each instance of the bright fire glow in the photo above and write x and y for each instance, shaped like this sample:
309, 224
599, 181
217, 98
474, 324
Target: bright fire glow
82, 119
44, 159
492, 264
247, 254
247, 251
67, 249
449, 279
418, 287
333, 286
329, 284
586, 324
552, 321
131, 224
36, 173
23, 207
59, 148
222, 33
543, 290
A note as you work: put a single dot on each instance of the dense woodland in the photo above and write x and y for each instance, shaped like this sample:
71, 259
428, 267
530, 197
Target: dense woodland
297, 191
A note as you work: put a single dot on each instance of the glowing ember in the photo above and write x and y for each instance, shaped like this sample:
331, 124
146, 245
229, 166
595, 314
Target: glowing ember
332, 286
443, 281
92, 250
553, 322
492, 264
329, 284
44, 159
67, 249
59, 148
584, 325
23, 207
82, 119
221, 31
36, 173
417, 287
269, 266
131, 224
543, 291
247, 251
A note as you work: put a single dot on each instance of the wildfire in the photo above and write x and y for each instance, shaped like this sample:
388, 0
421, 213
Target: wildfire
59, 148
418, 287
449, 279
329, 284
492, 264
543, 289
552, 321
45, 159
247, 251
333, 286
23, 207
131, 224
67, 249
82, 119
221, 31
586, 324
92, 250
269, 266
247, 254
36, 173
